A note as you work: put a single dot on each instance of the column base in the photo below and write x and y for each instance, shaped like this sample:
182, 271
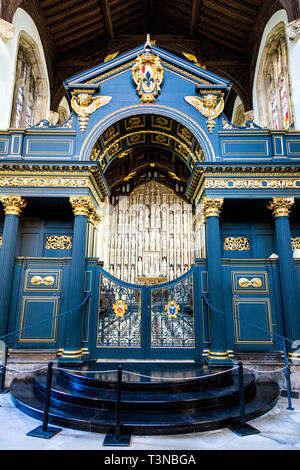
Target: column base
218, 358
71, 357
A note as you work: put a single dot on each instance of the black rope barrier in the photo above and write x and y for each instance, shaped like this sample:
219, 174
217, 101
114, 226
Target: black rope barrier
118, 439
281, 339
44, 431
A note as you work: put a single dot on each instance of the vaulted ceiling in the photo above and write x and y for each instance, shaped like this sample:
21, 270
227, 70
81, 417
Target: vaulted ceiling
224, 35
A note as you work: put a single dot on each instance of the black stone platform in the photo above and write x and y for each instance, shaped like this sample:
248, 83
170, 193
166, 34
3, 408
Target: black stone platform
157, 398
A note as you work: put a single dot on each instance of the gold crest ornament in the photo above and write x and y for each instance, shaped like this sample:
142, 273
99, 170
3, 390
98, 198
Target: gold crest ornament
119, 307
210, 106
147, 74
172, 308
85, 104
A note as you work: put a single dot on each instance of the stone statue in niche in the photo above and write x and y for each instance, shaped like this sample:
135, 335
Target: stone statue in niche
146, 240
140, 266
171, 272
164, 266
125, 272
132, 273
152, 240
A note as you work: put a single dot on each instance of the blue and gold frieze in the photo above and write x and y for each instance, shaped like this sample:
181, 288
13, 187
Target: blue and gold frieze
240, 180
45, 180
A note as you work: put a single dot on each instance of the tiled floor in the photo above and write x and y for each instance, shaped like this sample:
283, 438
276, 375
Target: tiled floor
280, 430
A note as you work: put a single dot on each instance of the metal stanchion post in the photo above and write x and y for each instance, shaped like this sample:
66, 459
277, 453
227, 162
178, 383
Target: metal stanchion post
242, 429
118, 439
287, 374
45, 431
3, 356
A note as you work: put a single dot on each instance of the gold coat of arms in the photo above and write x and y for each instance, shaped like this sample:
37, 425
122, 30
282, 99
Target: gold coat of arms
147, 74
119, 307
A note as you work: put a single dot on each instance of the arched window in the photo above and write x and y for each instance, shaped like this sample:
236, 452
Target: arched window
239, 116
273, 85
31, 90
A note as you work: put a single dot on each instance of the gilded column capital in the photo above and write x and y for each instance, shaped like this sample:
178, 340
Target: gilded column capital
94, 218
281, 206
13, 205
212, 207
82, 205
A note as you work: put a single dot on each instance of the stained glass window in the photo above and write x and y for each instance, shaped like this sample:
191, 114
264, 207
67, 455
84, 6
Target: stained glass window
273, 82
284, 104
25, 90
19, 106
275, 111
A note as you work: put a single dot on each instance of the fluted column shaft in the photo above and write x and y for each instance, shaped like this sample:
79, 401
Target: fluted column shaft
72, 351
287, 272
218, 338
12, 208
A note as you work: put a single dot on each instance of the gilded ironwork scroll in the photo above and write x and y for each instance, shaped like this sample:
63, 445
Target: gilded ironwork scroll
172, 316
119, 318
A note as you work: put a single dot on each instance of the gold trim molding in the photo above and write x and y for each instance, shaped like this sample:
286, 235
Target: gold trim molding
281, 207
13, 205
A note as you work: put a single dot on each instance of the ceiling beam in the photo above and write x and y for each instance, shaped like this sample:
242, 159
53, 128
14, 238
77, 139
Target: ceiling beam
107, 18
195, 17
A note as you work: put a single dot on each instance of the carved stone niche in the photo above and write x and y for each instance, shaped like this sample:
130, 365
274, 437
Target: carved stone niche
7, 30
293, 30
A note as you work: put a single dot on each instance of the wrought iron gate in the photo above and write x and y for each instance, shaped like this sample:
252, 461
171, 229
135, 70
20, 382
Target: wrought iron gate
136, 321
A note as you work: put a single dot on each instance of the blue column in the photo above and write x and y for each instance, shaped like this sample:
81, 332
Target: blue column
289, 289
72, 350
218, 353
12, 208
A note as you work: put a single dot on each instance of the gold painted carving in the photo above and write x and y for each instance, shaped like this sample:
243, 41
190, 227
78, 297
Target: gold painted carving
42, 281
13, 205
281, 206
111, 56
193, 58
210, 106
1, 238
84, 104
295, 243
255, 282
58, 242
147, 74
236, 244
119, 307
212, 207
